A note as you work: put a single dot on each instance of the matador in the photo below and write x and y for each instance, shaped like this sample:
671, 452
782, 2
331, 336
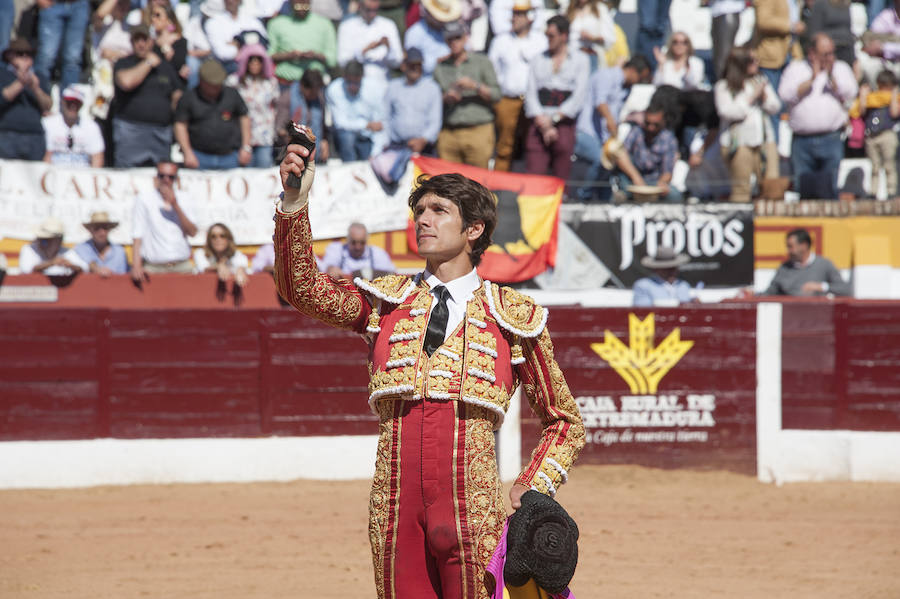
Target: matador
446, 351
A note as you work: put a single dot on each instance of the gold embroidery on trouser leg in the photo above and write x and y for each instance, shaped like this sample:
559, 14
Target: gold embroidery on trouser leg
484, 492
379, 499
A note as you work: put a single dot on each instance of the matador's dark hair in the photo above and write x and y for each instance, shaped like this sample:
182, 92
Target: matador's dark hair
474, 200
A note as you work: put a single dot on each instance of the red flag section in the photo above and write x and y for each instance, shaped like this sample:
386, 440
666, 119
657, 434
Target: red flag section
528, 213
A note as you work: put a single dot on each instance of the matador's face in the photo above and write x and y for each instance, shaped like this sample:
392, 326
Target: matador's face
439, 228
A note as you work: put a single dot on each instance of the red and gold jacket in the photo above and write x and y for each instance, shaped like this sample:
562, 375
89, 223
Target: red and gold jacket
502, 341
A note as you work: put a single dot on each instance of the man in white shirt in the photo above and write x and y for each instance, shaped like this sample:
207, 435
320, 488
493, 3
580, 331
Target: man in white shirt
162, 227
72, 140
224, 27
46, 254
342, 260
511, 54
372, 40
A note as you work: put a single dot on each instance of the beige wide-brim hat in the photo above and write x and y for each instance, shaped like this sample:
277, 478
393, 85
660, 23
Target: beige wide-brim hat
101, 217
611, 150
444, 11
50, 228
665, 258
645, 193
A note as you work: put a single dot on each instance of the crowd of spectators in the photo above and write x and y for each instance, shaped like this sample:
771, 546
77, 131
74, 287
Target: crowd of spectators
548, 86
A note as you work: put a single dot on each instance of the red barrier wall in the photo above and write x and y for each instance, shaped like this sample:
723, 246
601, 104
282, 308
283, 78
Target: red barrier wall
841, 365
187, 371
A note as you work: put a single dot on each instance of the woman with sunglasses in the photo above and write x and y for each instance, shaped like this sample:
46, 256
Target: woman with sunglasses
679, 67
221, 256
169, 44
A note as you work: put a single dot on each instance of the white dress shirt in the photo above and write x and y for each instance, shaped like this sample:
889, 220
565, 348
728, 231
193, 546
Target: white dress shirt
29, 257
162, 239
354, 34
202, 262
461, 289
511, 56
222, 29
742, 123
691, 77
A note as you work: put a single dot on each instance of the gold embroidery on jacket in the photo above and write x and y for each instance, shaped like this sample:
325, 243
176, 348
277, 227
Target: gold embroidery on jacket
312, 292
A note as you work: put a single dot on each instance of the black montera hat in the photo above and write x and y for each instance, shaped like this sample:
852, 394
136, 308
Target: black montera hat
542, 544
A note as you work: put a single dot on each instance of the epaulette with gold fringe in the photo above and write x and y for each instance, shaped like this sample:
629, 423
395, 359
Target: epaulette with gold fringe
393, 289
515, 311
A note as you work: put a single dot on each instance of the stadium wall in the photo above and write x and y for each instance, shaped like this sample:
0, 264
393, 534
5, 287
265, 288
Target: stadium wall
93, 396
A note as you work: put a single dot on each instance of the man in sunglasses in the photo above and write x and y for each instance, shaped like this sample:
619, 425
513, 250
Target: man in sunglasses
162, 227
101, 256
72, 140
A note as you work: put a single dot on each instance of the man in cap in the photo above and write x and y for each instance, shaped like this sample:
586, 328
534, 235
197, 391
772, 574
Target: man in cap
557, 87
23, 98
46, 253
303, 40
62, 25
162, 227
511, 54
147, 91
413, 107
427, 34
72, 140
371, 39
101, 256
663, 287
470, 90
356, 104
212, 125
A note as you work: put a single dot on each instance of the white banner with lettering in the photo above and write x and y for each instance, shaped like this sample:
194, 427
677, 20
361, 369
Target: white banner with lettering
243, 199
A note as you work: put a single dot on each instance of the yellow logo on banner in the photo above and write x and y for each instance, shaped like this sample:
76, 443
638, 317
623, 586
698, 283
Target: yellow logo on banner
642, 365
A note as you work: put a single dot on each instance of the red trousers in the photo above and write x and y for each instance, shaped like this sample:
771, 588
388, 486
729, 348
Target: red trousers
436, 512
558, 155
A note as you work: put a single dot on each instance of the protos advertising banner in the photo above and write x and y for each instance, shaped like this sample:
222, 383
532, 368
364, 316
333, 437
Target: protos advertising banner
718, 239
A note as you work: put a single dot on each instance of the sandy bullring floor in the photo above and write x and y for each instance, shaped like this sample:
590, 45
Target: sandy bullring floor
645, 533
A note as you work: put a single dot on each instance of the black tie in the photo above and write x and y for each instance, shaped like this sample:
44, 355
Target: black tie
437, 323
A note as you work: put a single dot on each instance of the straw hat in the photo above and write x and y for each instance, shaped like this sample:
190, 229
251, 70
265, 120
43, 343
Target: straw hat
611, 150
100, 217
50, 228
444, 11
522, 6
645, 193
665, 258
